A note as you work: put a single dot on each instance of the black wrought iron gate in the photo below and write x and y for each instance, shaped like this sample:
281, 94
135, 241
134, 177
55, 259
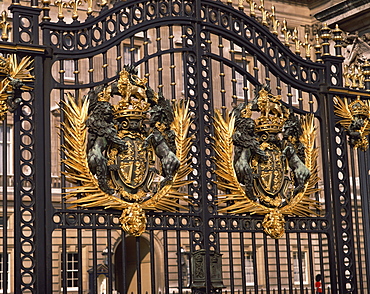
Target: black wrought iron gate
214, 55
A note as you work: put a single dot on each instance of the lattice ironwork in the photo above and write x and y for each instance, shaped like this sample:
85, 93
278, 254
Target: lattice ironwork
215, 55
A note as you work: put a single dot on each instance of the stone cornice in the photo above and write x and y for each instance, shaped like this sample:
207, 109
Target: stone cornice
340, 9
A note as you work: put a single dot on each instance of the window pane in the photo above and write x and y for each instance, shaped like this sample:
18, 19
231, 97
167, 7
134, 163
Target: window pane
72, 270
249, 271
297, 263
9, 150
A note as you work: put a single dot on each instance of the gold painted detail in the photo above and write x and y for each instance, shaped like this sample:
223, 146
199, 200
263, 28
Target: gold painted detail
74, 5
4, 26
275, 22
133, 184
13, 75
60, 4
297, 42
307, 47
274, 224
264, 13
355, 120
252, 6
89, 7
286, 33
355, 75
267, 164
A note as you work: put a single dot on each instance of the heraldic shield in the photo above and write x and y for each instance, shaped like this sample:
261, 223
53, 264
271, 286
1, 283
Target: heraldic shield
131, 156
266, 161
133, 163
271, 172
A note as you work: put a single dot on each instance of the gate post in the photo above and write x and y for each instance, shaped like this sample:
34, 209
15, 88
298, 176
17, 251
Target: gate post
365, 197
200, 95
340, 189
32, 183
25, 33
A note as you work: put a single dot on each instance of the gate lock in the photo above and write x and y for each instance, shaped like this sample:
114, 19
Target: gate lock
199, 269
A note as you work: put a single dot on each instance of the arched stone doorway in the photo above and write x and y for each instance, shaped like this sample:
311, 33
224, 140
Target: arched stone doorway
130, 258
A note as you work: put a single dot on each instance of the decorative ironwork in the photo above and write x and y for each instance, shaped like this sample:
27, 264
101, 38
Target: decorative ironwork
286, 32
4, 26
74, 5
297, 42
307, 47
116, 165
252, 6
60, 4
275, 22
356, 118
213, 54
325, 36
14, 79
268, 175
199, 277
338, 39
264, 13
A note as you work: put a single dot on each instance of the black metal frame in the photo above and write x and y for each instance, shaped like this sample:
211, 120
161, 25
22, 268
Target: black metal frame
204, 228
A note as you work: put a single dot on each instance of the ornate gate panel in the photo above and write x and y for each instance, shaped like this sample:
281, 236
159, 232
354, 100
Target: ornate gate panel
279, 224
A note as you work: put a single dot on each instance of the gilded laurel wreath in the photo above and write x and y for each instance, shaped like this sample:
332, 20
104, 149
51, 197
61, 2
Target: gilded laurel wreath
267, 165
128, 182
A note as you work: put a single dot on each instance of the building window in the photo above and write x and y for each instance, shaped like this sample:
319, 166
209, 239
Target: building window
130, 55
240, 86
249, 270
8, 150
300, 261
185, 267
2, 286
71, 267
295, 96
69, 68
4, 222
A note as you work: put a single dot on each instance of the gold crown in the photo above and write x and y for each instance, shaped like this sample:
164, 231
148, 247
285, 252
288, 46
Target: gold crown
134, 102
272, 125
272, 116
359, 107
129, 113
4, 65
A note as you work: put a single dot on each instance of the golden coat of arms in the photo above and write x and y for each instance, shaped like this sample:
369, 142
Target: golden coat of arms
266, 161
132, 156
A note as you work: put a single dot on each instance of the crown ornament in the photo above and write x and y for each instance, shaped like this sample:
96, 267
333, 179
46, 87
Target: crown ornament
134, 102
273, 113
359, 107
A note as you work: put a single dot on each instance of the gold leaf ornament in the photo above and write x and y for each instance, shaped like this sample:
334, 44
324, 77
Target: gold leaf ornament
11, 69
